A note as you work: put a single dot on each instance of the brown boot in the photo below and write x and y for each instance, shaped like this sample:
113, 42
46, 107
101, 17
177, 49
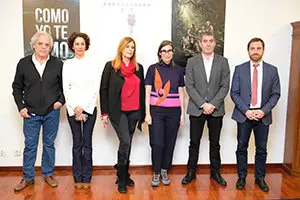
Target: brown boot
51, 181
78, 186
86, 186
23, 184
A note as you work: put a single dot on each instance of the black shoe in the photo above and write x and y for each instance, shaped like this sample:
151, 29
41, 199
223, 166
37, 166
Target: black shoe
122, 189
129, 181
240, 184
188, 177
122, 172
262, 184
218, 178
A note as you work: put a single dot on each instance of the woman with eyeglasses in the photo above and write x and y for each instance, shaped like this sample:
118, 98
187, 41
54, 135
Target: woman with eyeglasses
122, 100
164, 85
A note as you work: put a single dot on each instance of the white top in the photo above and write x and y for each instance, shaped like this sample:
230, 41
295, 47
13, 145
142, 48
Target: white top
39, 67
259, 84
81, 82
207, 61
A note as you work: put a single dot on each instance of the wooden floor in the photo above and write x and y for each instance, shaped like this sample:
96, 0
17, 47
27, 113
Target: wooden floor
282, 186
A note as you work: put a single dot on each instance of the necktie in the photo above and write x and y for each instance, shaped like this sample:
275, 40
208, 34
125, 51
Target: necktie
254, 85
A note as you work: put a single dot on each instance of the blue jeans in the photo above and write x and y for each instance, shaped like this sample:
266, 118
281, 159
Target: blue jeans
82, 147
31, 128
261, 132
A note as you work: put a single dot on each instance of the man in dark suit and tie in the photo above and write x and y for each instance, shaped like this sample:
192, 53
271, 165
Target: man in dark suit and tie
255, 91
207, 83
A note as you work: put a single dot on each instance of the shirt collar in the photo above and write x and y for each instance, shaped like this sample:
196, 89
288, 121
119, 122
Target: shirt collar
36, 61
82, 58
162, 63
208, 58
259, 64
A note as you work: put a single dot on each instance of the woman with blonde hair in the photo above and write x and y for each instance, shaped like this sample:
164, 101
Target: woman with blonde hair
122, 100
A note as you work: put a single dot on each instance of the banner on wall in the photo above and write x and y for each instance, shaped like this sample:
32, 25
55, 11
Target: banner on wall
58, 17
189, 20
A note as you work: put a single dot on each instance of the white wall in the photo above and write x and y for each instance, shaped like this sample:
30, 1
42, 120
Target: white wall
268, 19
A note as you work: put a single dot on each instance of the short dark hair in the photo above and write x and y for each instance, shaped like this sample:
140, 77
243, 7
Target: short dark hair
162, 44
256, 40
75, 35
208, 33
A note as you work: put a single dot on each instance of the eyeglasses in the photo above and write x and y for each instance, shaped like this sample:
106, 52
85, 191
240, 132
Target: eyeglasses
170, 51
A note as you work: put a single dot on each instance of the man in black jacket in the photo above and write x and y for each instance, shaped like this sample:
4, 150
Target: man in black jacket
37, 90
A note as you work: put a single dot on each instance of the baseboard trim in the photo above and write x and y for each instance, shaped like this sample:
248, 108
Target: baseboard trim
287, 168
99, 167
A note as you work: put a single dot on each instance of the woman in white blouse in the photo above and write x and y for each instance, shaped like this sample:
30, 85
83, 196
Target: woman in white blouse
81, 86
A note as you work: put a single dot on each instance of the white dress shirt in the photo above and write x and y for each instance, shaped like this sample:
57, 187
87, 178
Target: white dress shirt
39, 67
259, 83
81, 82
207, 61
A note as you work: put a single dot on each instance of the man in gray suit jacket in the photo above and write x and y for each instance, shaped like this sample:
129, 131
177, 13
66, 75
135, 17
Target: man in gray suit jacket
207, 83
255, 91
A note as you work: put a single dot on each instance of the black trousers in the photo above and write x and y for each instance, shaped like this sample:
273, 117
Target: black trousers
125, 131
261, 132
82, 147
163, 134
196, 130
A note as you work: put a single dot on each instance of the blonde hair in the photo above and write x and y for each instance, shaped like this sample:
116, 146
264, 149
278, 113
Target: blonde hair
117, 61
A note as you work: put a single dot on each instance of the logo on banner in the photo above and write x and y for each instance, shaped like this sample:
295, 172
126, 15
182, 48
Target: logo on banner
129, 8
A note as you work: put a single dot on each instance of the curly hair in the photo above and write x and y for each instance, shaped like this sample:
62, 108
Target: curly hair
75, 35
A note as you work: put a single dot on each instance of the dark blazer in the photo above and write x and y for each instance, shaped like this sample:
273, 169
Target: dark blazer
241, 91
38, 94
200, 91
110, 93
